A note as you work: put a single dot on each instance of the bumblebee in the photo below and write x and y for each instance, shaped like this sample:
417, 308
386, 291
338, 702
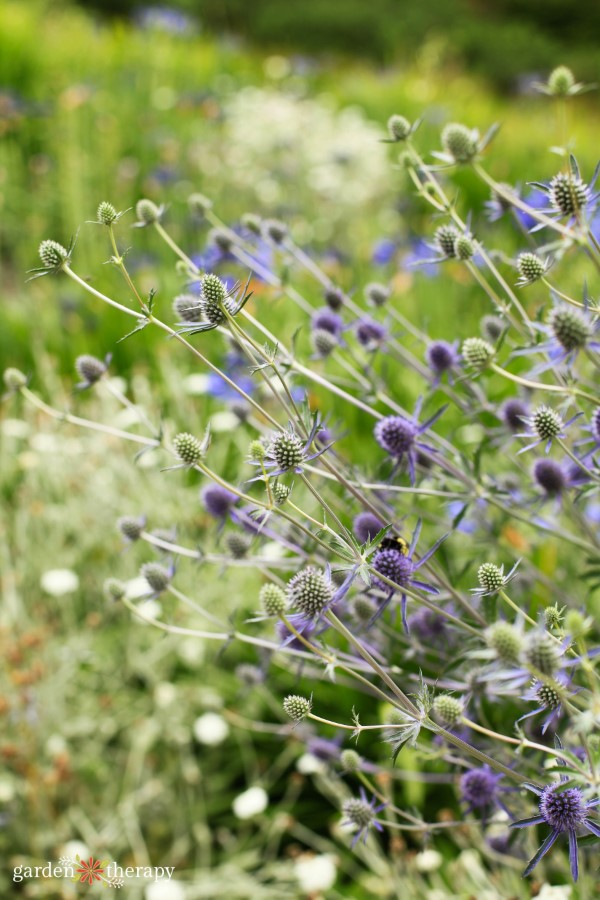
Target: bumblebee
395, 542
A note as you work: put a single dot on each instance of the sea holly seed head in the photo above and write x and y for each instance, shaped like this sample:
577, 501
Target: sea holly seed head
531, 268
14, 379
445, 238
187, 308
477, 353
568, 194
576, 624
130, 527
552, 617
287, 450
460, 142
464, 247
309, 591
221, 239
543, 653
114, 589
570, 328
563, 810
89, 368
363, 610
478, 787
377, 294
447, 709
441, 356
323, 342
199, 204
490, 577
272, 599
492, 328
395, 434
257, 451
561, 82
237, 544
546, 423
188, 448
147, 212
334, 298
297, 707
513, 414
53, 255
157, 576
505, 641
252, 223
106, 214
548, 696
280, 493
359, 812
350, 760
399, 128
275, 230
550, 476
213, 289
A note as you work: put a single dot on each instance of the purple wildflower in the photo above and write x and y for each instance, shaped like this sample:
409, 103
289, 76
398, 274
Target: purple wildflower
365, 526
514, 413
479, 789
442, 357
399, 437
370, 334
550, 476
564, 810
360, 814
326, 320
217, 500
384, 251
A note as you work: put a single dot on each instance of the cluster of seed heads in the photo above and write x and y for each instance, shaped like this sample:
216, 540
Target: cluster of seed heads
280, 493
309, 591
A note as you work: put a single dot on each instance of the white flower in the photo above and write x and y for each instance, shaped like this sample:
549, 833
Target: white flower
555, 892
315, 873
210, 729
428, 860
165, 889
57, 582
73, 849
307, 764
251, 803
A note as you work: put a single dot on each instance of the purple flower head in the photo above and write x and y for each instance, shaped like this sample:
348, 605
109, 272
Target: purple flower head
365, 526
399, 437
498, 204
326, 320
384, 251
564, 810
548, 696
550, 476
303, 626
217, 500
514, 413
479, 788
370, 334
360, 814
400, 567
420, 256
429, 627
442, 357
569, 331
545, 424
569, 196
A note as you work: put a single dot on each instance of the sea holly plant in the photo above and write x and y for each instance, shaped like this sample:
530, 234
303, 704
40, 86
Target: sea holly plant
336, 472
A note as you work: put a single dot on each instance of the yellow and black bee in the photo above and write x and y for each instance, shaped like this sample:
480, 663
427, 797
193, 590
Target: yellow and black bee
395, 542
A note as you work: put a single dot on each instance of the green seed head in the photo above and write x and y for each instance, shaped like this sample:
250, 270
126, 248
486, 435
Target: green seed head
257, 451
477, 353
350, 761
272, 599
570, 328
53, 255
221, 239
363, 609
568, 194
297, 707
445, 238
548, 696
460, 142
130, 527
199, 204
187, 308
576, 624
252, 223
157, 576
492, 328
287, 450
14, 379
561, 82
188, 448
114, 589
464, 247
546, 423
324, 342
275, 230
106, 214
358, 811
280, 492
89, 368
543, 653
399, 128
490, 577
377, 294
553, 617
505, 641
447, 709
309, 591
531, 268
147, 212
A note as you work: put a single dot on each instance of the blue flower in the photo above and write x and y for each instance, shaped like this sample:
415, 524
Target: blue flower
399, 436
564, 810
360, 814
